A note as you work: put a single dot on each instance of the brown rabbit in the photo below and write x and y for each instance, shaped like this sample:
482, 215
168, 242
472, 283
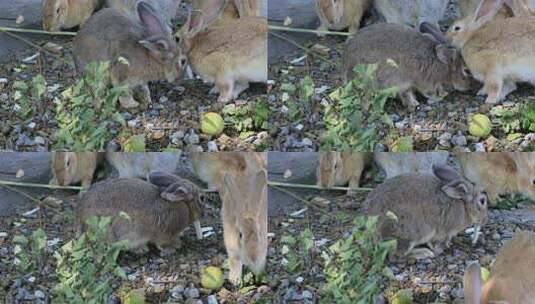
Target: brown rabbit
500, 173
340, 14
70, 168
395, 164
211, 167
430, 209
498, 51
407, 60
66, 14
147, 44
231, 55
245, 222
512, 278
341, 168
154, 215
240, 179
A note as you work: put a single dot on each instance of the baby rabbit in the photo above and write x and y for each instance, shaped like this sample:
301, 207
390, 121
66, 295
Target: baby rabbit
231, 54
168, 8
70, 168
500, 173
512, 278
66, 14
395, 164
430, 208
156, 216
412, 12
147, 44
245, 222
408, 60
498, 52
130, 165
340, 14
341, 168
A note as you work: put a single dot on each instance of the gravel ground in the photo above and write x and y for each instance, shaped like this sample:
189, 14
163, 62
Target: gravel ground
441, 125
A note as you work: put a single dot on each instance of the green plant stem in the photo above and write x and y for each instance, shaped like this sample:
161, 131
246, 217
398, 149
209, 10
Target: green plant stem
307, 186
29, 31
301, 30
35, 185
26, 195
307, 50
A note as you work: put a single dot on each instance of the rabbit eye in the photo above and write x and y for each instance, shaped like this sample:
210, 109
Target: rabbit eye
483, 201
456, 28
241, 235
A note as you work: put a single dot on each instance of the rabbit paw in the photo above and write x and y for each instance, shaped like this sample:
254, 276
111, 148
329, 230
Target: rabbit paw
322, 28
234, 276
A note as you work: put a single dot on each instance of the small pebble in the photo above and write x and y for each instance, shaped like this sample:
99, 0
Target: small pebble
211, 299
192, 293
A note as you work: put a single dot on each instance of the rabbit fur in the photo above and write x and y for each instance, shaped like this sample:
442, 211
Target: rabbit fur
130, 165
512, 278
146, 43
69, 168
341, 168
156, 216
167, 8
498, 51
341, 14
510, 172
430, 209
408, 60
394, 164
65, 14
412, 12
231, 54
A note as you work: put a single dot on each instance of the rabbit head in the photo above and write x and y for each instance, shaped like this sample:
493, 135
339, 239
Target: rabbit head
74, 167
462, 30
457, 187
65, 14
245, 214
178, 190
198, 20
329, 164
512, 277
447, 54
159, 40
65, 167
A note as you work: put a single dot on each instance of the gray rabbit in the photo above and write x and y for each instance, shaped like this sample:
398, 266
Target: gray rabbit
408, 60
147, 44
157, 211
429, 209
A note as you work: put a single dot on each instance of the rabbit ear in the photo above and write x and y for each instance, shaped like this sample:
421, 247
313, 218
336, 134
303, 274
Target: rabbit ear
230, 188
194, 24
457, 190
446, 54
472, 284
446, 173
175, 193
258, 186
162, 179
150, 19
486, 10
428, 28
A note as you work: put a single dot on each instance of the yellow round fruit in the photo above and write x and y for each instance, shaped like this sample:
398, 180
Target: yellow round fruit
479, 125
212, 278
485, 274
212, 124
